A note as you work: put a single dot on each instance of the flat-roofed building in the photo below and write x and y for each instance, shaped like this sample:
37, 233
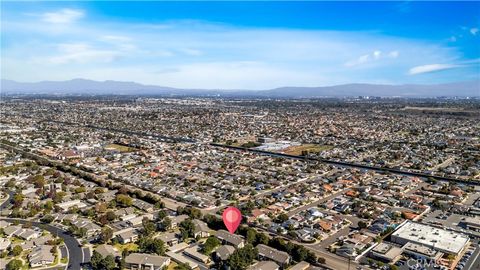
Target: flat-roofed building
421, 252
386, 253
448, 242
471, 223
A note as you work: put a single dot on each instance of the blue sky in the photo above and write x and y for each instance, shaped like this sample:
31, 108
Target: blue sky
242, 45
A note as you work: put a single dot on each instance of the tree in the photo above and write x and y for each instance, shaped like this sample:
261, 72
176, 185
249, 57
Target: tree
100, 263
262, 238
17, 250
14, 265
106, 234
182, 266
187, 228
242, 257
108, 263
159, 205
123, 190
166, 223
149, 227
48, 206
251, 235
17, 200
123, 200
149, 245
111, 216
281, 218
38, 181
362, 224
211, 243
161, 214
47, 219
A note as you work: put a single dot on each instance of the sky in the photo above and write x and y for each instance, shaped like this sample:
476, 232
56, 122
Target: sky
241, 45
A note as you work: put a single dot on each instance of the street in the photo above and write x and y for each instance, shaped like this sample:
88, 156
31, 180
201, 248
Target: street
74, 250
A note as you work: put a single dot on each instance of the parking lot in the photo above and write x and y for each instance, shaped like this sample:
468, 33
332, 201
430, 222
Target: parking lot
448, 221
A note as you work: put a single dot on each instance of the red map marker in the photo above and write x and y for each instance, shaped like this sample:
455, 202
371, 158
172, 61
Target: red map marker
232, 217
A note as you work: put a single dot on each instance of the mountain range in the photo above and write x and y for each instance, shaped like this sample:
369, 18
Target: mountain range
90, 87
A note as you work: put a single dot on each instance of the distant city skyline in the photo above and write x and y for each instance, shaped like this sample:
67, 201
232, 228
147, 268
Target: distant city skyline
242, 45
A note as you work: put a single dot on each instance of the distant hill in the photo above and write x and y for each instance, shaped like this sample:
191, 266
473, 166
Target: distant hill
90, 87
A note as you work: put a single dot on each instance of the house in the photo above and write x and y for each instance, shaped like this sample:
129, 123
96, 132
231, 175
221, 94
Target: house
4, 224
169, 238
41, 256
4, 243
193, 253
180, 258
91, 228
11, 230
303, 265
128, 236
325, 225
264, 265
230, 239
223, 252
177, 220
266, 252
200, 229
147, 207
177, 247
141, 261
347, 251
65, 206
69, 155
27, 234
106, 250
125, 212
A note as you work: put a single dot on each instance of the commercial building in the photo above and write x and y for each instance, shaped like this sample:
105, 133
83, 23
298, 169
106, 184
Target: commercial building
386, 253
438, 239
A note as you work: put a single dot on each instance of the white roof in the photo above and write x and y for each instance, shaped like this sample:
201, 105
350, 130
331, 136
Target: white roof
439, 239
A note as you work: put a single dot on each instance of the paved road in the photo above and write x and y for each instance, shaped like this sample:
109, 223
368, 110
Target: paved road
316, 203
474, 262
74, 250
6, 203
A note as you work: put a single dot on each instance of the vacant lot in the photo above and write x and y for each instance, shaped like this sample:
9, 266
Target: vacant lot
121, 148
311, 148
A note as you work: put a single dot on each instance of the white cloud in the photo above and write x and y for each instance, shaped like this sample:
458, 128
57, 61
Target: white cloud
82, 53
374, 56
393, 54
474, 31
431, 68
63, 16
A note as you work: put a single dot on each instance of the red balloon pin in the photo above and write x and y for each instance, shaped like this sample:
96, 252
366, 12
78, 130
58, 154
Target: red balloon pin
232, 217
